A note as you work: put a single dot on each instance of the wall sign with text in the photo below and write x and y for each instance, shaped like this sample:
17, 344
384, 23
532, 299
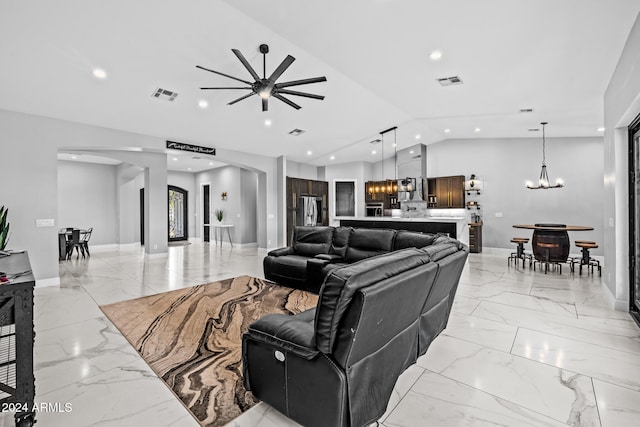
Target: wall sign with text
190, 147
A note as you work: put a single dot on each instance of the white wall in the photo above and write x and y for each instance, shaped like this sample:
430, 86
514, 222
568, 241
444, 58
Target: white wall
621, 106
302, 170
504, 165
360, 171
240, 207
187, 181
87, 198
33, 193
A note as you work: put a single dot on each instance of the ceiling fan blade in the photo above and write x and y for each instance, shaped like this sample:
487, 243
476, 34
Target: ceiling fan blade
302, 82
223, 74
287, 101
241, 98
296, 93
265, 104
246, 64
206, 88
281, 68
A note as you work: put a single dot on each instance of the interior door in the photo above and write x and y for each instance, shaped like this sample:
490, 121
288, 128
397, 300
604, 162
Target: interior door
206, 213
634, 218
178, 224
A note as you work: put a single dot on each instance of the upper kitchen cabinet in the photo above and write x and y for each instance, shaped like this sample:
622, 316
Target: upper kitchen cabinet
445, 192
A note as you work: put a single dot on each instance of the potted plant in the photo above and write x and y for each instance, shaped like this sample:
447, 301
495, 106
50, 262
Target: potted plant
219, 214
4, 228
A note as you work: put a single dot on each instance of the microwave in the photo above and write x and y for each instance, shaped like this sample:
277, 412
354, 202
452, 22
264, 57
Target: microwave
374, 209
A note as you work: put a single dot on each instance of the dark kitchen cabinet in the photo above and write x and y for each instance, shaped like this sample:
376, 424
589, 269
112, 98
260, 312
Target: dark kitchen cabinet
296, 188
445, 192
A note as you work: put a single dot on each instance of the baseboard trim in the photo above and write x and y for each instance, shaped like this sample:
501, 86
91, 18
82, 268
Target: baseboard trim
51, 281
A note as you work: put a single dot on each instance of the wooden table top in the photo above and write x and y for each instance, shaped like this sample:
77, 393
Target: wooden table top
565, 228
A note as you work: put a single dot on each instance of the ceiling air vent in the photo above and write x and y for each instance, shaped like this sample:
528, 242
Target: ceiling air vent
375, 141
534, 130
450, 81
526, 110
296, 132
164, 94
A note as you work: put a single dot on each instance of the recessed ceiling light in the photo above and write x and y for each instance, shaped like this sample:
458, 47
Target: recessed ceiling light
600, 129
309, 152
175, 158
447, 130
210, 163
411, 152
394, 144
373, 152
332, 157
418, 136
267, 122
203, 103
435, 55
99, 73
477, 129
189, 169
74, 157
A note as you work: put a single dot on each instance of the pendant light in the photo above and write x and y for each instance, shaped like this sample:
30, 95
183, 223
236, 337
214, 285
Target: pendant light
543, 181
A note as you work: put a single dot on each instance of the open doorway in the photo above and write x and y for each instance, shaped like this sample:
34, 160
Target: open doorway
178, 214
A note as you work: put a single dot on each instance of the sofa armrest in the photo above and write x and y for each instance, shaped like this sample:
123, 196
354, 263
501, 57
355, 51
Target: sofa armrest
294, 334
282, 251
330, 257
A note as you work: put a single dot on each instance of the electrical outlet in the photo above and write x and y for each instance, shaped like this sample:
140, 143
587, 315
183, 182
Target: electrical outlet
155, 246
45, 222
611, 223
498, 214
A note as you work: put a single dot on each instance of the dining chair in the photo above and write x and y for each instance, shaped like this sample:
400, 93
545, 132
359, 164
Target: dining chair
85, 241
74, 243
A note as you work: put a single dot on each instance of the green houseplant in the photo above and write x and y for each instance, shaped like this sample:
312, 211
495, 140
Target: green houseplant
4, 228
219, 214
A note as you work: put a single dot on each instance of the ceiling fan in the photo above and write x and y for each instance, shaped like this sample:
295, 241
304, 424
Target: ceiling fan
267, 87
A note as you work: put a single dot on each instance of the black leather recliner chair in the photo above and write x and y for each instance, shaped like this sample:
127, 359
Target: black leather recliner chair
337, 364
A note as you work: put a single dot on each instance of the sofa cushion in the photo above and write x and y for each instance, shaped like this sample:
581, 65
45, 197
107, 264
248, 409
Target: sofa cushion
286, 266
311, 241
365, 243
341, 241
412, 239
342, 283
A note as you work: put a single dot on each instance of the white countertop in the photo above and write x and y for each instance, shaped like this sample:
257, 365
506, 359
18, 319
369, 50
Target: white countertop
390, 218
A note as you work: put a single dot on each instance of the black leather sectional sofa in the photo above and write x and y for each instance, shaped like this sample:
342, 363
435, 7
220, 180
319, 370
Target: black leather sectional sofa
316, 251
337, 364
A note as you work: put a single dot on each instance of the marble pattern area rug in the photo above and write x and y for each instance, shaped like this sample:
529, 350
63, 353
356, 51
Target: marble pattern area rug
192, 338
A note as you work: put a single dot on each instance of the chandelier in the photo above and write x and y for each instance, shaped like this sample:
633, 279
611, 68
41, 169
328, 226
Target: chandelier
543, 181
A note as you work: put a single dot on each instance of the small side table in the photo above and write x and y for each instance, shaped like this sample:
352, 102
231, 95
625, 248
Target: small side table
218, 230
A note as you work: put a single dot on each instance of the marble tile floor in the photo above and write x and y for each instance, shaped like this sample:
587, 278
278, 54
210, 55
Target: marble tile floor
521, 349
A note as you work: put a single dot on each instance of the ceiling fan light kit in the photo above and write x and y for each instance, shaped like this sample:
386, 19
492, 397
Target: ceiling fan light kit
266, 87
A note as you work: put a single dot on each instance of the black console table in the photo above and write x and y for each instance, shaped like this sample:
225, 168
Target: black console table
16, 339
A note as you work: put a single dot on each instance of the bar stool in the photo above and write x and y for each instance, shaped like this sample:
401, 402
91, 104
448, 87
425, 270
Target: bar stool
520, 253
586, 259
546, 259
575, 259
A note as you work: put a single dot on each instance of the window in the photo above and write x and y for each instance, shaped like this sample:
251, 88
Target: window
345, 197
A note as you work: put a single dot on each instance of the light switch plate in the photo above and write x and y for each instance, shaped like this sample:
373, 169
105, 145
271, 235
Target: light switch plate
45, 222
498, 214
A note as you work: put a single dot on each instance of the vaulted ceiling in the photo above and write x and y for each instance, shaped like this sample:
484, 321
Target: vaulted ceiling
555, 57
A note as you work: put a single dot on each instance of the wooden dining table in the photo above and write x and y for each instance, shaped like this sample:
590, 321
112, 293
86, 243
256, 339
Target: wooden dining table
63, 236
551, 234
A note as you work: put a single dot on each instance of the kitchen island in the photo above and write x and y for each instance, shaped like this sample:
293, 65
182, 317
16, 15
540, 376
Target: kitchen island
455, 227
